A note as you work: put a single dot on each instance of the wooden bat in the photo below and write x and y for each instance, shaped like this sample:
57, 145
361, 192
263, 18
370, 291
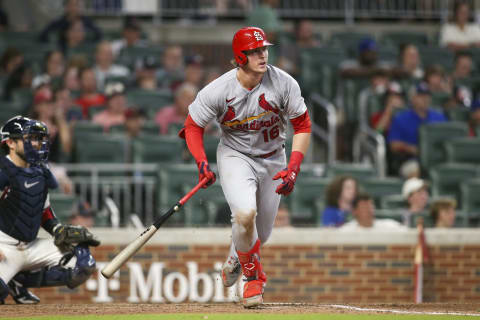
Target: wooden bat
133, 247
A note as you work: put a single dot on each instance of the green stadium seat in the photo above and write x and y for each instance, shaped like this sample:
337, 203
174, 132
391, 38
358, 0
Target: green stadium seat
436, 55
22, 96
458, 114
202, 209
358, 171
397, 38
210, 144
174, 178
130, 55
439, 99
379, 188
308, 200
99, 147
432, 137
463, 150
174, 128
93, 110
155, 148
393, 202
446, 178
348, 40
350, 93
84, 127
319, 68
63, 205
150, 127
389, 214
150, 101
470, 190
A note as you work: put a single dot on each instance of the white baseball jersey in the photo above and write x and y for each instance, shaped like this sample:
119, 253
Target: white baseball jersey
253, 121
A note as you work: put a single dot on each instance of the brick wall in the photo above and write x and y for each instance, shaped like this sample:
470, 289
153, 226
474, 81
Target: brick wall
303, 272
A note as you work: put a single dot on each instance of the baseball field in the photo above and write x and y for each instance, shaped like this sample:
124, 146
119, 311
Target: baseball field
232, 311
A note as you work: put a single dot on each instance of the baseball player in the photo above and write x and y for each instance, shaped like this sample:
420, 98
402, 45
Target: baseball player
252, 104
24, 207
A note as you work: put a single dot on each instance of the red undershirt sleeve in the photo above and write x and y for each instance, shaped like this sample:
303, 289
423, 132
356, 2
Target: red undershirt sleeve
193, 134
302, 124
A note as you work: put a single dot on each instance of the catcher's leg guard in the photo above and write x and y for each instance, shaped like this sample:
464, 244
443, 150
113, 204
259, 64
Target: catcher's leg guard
253, 272
59, 275
3, 290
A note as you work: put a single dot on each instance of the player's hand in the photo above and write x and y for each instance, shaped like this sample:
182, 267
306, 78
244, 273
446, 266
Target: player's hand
289, 176
205, 172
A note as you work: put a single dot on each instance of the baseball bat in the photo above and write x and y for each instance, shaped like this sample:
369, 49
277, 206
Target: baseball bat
133, 247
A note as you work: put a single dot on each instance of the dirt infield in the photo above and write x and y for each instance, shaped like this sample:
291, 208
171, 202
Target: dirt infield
11, 310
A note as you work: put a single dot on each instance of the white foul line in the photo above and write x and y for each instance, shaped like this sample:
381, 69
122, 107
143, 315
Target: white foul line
340, 306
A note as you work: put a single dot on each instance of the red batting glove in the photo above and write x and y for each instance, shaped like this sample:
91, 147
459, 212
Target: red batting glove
205, 172
289, 174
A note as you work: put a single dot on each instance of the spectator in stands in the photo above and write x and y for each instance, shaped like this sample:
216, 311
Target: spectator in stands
54, 66
463, 66
73, 12
114, 113
474, 121
146, 78
289, 56
72, 37
265, 16
443, 212
339, 196
403, 134
176, 113
11, 59
60, 135
65, 184
71, 79
172, 71
409, 63
282, 220
392, 101
131, 37
460, 34
104, 66
415, 192
367, 62
211, 74
379, 82
194, 70
21, 77
83, 215
134, 121
63, 100
363, 213
89, 96
439, 85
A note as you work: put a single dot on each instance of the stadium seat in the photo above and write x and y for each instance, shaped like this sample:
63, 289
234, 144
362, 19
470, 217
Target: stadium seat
389, 214
63, 205
446, 178
458, 114
99, 147
470, 191
150, 127
351, 89
432, 137
379, 188
86, 127
358, 171
397, 38
149, 148
394, 201
319, 67
130, 55
463, 150
348, 40
174, 179
210, 144
93, 110
202, 209
23, 96
308, 200
150, 101
436, 55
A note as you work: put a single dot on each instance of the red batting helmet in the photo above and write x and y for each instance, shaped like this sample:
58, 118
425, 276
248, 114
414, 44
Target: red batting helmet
248, 38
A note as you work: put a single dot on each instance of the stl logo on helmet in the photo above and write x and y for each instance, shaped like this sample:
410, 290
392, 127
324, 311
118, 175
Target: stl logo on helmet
258, 36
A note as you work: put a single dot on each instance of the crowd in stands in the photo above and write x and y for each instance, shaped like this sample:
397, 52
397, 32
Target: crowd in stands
85, 76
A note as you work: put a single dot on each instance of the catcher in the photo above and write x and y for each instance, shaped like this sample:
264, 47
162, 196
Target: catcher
26, 260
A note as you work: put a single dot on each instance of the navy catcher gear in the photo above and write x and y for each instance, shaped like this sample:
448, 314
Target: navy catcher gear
3, 290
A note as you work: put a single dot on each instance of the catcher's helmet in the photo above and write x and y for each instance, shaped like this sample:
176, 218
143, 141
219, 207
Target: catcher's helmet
248, 38
28, 130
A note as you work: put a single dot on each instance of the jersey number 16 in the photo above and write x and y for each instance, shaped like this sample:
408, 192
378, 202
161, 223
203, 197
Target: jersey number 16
270, 135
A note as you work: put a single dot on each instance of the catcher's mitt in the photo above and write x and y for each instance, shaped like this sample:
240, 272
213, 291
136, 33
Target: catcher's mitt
67, 236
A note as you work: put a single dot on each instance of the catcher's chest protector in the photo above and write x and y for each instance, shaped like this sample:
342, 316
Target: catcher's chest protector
21, 204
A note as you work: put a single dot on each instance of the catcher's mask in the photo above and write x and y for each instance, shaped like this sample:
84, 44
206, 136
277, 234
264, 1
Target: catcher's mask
245, 39
34, 135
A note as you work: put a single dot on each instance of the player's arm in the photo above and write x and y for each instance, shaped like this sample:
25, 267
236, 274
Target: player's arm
301, 140
193, 134
50, 221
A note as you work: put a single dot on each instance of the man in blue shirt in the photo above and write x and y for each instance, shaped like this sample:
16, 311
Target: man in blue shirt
403, 134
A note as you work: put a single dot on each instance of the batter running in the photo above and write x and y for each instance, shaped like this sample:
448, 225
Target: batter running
252, 104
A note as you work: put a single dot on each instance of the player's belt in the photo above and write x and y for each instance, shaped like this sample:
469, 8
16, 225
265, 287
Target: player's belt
266, 155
